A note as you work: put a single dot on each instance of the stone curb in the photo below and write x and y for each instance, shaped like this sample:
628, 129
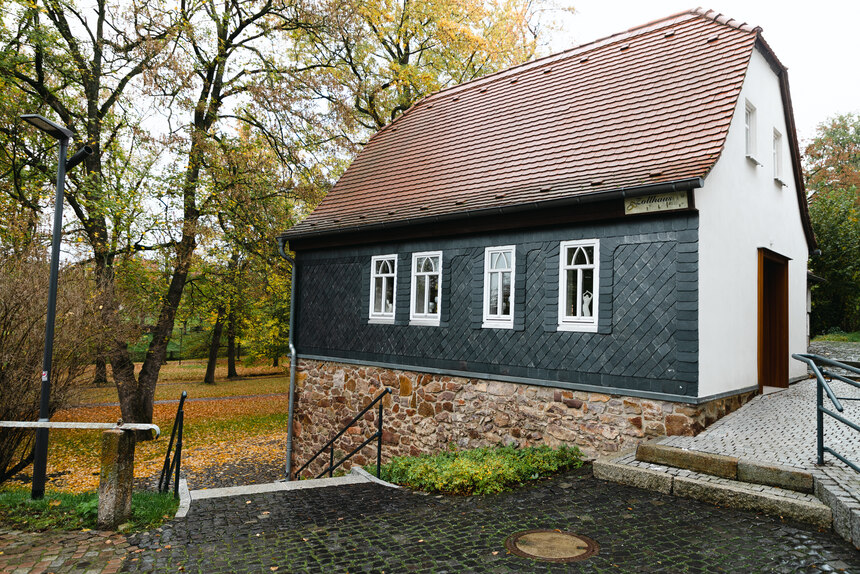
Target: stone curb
846, 514
276, 487
363, 473
184, 499
605, 468
732, 468
735, 496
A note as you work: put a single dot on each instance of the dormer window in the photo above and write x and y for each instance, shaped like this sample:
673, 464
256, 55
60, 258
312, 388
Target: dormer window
777, 158
750, 132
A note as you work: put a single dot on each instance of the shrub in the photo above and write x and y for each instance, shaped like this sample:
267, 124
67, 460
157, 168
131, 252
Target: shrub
23, 305
479, 471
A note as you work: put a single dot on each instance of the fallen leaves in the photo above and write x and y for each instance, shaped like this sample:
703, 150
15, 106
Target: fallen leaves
217, 431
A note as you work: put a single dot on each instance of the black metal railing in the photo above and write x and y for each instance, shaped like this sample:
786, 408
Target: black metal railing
823, 376
332, 465
172, 467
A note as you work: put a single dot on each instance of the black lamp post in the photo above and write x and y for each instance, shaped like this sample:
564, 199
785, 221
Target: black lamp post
62, 135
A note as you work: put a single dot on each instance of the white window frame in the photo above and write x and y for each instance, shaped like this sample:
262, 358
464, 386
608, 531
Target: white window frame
383, 317
565, 321
496, 320
777, 158
750, 132
431, 319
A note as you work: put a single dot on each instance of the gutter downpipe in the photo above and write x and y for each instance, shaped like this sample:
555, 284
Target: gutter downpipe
292, 392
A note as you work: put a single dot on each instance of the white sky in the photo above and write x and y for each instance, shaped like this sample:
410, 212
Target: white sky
818, 41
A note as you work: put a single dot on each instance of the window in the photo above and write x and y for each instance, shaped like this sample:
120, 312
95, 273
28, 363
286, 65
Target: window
426, 288
578, 285
777, 158
383, 273
498, 287
750, 132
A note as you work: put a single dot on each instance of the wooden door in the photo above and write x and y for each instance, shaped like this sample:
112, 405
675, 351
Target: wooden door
772, 319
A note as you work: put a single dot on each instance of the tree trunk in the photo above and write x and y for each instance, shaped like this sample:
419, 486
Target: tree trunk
214, 344
275, 361
100, 377
231, 344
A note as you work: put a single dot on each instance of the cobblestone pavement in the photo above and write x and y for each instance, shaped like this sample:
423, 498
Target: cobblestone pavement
60, 552
838, 351
371, 528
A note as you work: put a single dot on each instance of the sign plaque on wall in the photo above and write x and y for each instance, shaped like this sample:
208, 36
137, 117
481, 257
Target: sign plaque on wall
656, 202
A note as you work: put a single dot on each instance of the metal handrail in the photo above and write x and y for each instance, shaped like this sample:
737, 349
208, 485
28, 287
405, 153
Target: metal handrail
822, 386
330, 444
173, 467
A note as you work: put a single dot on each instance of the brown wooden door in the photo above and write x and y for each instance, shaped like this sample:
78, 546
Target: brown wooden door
772, 319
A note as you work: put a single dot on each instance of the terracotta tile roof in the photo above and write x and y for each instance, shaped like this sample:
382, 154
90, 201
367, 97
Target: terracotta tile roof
647, 106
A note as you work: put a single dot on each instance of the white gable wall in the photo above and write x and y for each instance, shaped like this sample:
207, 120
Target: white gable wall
741, 208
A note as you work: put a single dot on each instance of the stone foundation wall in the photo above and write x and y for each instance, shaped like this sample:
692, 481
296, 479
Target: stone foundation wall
426, 413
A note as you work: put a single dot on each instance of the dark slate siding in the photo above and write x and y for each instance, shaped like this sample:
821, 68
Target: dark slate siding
647, 338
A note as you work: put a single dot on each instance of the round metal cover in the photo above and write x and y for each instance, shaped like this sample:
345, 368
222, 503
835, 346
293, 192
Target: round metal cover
551, 545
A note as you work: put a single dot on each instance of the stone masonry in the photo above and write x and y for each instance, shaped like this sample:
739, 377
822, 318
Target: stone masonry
428, 413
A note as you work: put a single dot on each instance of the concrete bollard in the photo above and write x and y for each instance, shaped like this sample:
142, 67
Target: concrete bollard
116, 478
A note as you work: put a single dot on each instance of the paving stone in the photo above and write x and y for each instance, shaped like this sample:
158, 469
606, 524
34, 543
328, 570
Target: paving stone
370, 528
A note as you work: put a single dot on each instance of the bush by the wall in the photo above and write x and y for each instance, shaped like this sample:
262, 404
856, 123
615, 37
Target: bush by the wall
479, 471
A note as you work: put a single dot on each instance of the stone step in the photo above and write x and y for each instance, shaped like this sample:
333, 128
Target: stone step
730, 467
624, 468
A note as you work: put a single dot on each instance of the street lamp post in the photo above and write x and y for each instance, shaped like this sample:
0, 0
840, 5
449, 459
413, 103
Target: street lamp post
62, 135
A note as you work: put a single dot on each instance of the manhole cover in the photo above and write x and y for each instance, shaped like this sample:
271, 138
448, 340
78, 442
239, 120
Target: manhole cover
551, 545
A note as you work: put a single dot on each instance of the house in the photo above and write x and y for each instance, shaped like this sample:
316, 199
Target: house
592, 248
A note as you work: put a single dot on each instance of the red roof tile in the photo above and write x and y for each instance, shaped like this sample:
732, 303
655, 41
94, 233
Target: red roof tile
647, 106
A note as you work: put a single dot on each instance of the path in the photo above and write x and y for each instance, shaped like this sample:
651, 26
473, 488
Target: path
372, 528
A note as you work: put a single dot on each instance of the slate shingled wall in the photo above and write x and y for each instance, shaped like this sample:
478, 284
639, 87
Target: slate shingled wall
647, 340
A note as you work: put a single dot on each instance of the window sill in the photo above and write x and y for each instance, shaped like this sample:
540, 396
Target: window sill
754, 161
779, 182
578, 327
497, 324
425, 322
380, 321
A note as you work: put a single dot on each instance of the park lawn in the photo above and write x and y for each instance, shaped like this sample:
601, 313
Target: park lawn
215, 431
171, 389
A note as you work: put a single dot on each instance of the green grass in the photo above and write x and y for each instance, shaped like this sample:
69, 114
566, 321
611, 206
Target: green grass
839, 337
479, 471
64, 511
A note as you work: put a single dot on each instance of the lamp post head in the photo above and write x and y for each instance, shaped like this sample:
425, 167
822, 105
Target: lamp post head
53, 129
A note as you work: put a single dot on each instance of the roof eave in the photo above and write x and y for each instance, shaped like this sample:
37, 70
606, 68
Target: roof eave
617, 193
782, 73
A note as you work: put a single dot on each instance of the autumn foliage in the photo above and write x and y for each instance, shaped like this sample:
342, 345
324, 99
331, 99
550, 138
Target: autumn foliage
832, 171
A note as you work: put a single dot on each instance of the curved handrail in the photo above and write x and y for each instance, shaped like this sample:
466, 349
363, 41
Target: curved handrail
811, 360
378, 434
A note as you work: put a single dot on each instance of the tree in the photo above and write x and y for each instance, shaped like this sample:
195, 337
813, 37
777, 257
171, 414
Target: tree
832, 171
80, 63
375, 58
832, 158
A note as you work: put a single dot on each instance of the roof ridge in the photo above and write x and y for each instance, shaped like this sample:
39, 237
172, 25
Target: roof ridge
725, 20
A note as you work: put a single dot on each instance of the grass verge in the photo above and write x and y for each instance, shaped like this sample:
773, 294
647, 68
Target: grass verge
479, 471
66, 511
839, 337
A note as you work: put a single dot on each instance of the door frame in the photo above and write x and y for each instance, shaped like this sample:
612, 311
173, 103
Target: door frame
773, 355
